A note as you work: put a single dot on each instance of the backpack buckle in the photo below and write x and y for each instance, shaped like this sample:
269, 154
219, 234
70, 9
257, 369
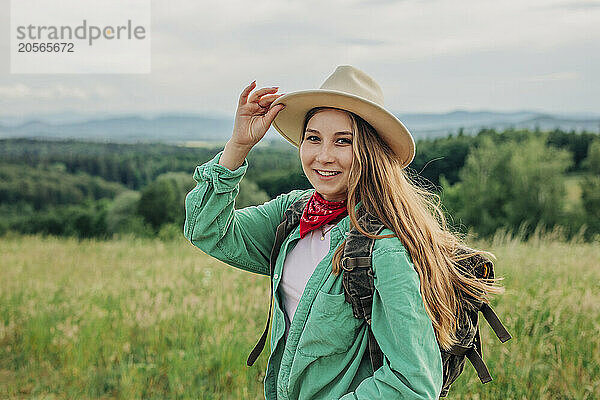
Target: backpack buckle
345, 266
349, 263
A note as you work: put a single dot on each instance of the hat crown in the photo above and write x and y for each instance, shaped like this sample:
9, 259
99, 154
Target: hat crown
351, 80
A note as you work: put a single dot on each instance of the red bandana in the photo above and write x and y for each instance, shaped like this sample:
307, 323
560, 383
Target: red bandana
319, 212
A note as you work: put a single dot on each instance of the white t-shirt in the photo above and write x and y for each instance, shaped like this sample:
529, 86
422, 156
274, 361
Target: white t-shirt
299, 265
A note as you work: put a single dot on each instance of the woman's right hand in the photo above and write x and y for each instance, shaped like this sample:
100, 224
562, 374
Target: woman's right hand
253, 117
252, 120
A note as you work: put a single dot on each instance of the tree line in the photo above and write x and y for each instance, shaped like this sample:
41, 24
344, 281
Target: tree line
514, 179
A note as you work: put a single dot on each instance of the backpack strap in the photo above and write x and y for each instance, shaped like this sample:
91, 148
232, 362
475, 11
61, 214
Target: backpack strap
291, 218
492, 318
357, 277
473, 353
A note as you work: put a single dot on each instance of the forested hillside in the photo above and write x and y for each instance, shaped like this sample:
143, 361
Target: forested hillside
509, 179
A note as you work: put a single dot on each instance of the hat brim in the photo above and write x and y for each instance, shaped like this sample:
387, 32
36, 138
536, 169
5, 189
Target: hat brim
289, 121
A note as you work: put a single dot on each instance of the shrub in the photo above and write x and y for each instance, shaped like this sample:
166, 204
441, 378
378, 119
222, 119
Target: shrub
510, 184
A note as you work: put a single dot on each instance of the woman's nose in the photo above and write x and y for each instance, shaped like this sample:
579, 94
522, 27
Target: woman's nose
325, 154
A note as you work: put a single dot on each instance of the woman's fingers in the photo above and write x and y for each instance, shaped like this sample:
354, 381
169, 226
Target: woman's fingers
272, 113
257, 94
267, 99
246, 92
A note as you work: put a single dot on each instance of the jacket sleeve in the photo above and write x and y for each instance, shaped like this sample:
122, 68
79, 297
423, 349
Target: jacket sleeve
241, 238
412, 367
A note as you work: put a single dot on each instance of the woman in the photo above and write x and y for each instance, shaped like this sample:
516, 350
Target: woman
353, 152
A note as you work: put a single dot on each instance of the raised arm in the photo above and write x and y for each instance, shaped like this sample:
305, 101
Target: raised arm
241, 238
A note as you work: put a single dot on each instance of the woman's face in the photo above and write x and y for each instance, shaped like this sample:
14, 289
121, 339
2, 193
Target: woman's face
326, 153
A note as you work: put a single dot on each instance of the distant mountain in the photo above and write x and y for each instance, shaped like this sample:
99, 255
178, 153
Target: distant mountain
435, 125
189, 127
169, 128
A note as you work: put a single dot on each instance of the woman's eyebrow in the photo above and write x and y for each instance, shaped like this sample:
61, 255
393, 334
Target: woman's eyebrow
336, 133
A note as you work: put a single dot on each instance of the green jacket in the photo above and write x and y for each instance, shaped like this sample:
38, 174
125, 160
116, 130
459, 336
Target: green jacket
325, 355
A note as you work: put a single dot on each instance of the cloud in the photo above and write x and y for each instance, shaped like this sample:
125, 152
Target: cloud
554, 76
578, 5
391, 32
57, 91
426, 54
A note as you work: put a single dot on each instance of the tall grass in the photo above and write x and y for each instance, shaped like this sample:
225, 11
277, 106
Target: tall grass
125, 319
134, 318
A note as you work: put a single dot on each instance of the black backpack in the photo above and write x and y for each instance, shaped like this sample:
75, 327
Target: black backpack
358, 285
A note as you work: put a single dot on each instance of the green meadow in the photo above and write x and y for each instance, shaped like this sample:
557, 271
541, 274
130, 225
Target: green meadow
144, 318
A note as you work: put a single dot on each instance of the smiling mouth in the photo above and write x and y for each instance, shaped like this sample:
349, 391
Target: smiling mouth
327, 173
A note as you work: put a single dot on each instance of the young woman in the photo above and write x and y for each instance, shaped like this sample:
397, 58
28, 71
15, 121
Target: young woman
354, 153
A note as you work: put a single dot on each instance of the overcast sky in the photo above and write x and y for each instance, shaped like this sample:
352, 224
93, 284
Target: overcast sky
428, 56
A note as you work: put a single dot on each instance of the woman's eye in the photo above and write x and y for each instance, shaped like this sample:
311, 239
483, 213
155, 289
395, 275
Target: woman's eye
348, 141
312, 138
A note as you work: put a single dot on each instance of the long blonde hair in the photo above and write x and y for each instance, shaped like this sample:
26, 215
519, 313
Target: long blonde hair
414, 215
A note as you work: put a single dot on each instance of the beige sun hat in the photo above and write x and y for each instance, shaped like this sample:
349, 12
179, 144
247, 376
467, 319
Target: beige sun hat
350, 89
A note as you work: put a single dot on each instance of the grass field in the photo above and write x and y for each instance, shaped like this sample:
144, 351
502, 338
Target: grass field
135, 318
